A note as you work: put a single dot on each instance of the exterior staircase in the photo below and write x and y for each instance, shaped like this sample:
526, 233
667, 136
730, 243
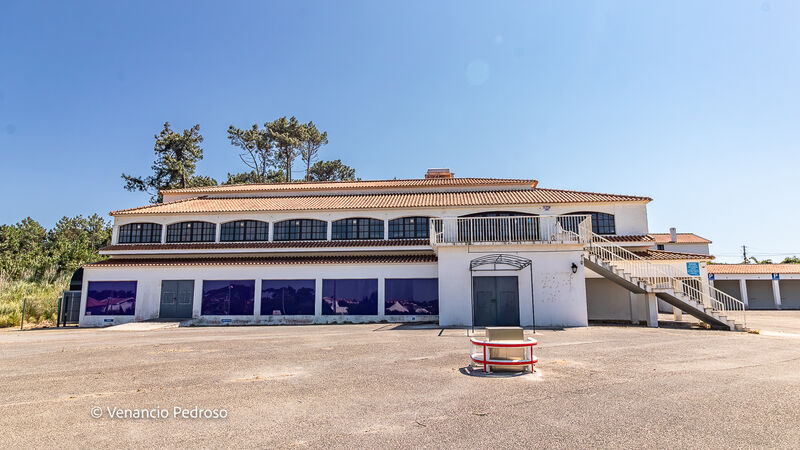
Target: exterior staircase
689, 294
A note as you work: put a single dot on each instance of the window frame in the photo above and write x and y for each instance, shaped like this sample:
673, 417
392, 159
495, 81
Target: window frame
241, 230
307, 230
596, 222
357, 228
187, 232
410, 227
127, 233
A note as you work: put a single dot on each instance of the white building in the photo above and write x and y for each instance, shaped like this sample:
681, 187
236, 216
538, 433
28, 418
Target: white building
759, 286
393, 250
681, 242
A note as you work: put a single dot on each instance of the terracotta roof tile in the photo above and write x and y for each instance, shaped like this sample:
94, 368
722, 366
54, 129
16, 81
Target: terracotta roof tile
378, 201
267, 261
344, 185
630, 238
663, 255
270, 245
683, 238
753, 268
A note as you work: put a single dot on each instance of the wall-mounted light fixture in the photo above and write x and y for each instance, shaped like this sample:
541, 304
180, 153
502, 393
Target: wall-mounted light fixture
574, 268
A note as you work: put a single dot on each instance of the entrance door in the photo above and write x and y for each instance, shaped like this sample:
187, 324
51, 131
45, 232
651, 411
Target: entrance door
496, 301
177, 297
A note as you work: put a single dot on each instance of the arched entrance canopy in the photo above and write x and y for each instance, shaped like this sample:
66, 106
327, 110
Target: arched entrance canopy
517, 262
494, 260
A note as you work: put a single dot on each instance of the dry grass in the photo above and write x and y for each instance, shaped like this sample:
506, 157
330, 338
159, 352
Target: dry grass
41, 305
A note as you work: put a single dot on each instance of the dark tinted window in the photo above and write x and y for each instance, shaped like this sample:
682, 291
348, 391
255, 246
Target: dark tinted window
602, 223
134, 233
111, 298
287, 297
244, 230
228, 297
412, 296
191, 232
357, 228
300, 230
350, 297
409, 228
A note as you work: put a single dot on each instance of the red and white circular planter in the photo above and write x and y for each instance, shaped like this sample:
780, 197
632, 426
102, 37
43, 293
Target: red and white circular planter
481, 356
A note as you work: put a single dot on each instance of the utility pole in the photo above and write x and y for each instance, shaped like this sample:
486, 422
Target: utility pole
744, 254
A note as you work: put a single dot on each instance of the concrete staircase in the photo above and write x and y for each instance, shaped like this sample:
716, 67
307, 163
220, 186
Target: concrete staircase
640, 276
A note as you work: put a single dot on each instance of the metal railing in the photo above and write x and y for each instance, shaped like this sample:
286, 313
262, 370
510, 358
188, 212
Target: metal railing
564, 229
660, 276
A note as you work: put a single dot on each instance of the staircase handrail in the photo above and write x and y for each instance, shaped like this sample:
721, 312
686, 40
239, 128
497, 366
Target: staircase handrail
658, 277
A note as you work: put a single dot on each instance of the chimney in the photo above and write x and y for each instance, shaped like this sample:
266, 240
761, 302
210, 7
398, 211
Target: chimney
673, 235
439, 173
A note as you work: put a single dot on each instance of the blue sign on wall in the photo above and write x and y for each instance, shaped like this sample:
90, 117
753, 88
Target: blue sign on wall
776, 276
711, 277
693, 269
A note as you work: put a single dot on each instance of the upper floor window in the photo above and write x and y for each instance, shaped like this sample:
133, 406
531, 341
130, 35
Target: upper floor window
409, 228
191, 232
602, 223
135, 233
244, 230
300, 230
357, 228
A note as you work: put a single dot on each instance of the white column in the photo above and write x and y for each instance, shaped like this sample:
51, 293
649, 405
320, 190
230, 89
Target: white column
329, 230
318, 297
743, 291
385, 230
677, 313
217, 231
634, 308
711, 283
197, 303
381, 297
164, 233
776, 293
652, 309
270, 231
257, 301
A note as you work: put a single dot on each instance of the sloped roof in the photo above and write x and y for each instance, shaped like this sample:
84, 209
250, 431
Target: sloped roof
753, 268
378, 201
683, 238
342, 185
663, 255
643, 238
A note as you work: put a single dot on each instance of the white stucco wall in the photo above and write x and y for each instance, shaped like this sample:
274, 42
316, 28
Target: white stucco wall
700, 249
560, 295
607, 300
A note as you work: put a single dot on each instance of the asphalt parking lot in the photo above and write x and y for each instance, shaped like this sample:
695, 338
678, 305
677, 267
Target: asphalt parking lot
388, 386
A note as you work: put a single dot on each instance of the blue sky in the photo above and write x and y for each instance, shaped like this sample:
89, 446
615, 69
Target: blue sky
695, 104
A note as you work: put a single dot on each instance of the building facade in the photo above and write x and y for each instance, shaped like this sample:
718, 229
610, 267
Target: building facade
759, 286
393, 250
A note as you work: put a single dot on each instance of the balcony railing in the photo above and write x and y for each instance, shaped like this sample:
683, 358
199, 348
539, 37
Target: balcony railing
566, 229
